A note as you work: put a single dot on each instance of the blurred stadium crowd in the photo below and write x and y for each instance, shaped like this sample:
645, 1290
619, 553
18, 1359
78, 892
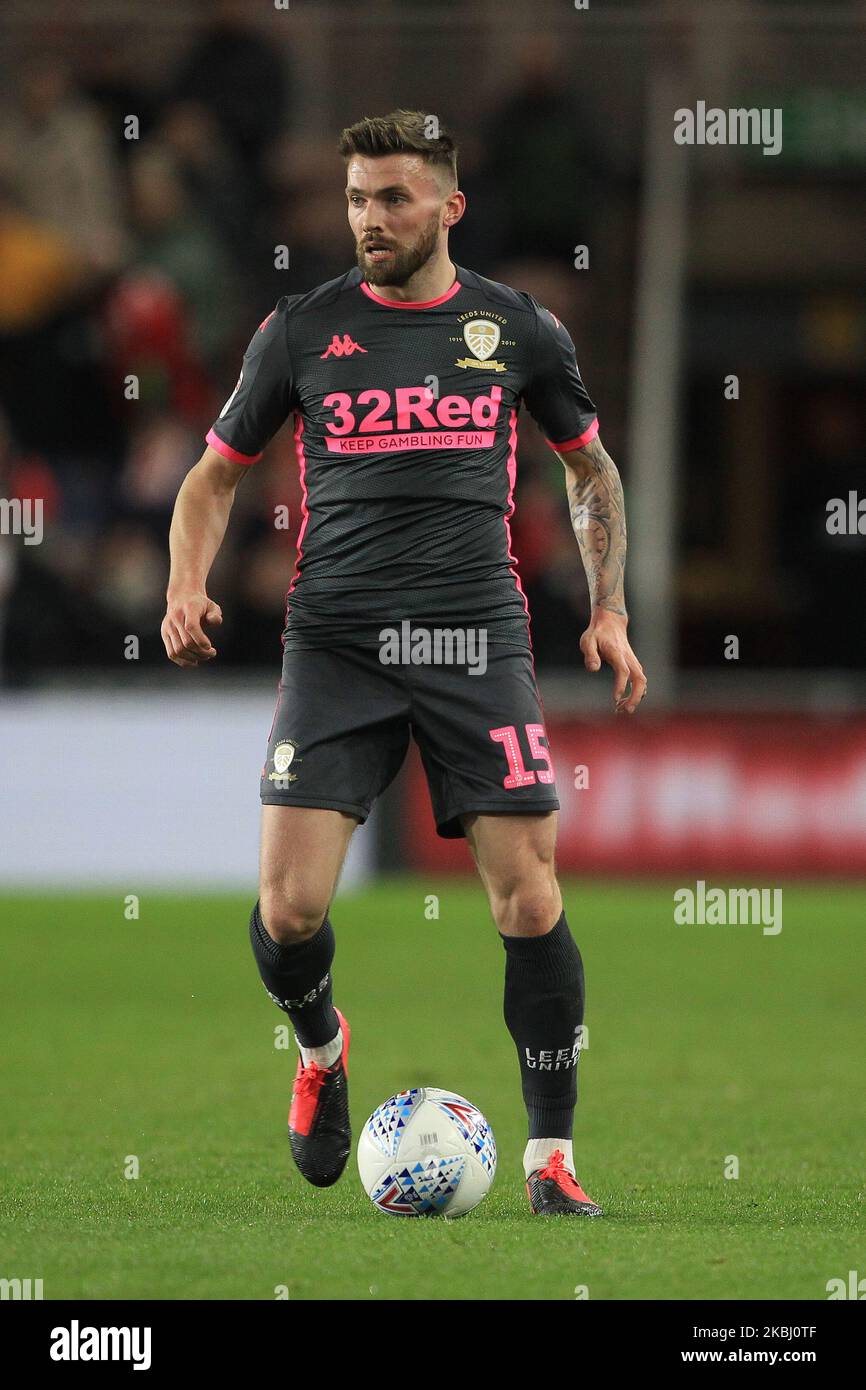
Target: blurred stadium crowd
154, 257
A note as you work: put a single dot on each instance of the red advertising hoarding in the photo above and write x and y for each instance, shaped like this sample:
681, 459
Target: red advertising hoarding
779, 793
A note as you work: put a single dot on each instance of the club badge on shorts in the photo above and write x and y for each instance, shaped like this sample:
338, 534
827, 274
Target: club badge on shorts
284, 755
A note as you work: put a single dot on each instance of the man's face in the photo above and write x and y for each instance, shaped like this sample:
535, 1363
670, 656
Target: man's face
396, 211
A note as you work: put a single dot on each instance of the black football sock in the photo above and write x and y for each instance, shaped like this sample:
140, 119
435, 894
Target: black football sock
544, 997
298, 978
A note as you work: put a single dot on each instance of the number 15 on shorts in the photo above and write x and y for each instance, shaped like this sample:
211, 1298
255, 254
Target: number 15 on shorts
518, 775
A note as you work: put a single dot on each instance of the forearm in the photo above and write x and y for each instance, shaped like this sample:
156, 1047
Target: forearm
597, 511
198, 526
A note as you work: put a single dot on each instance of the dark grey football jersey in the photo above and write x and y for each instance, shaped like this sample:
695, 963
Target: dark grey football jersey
406, 431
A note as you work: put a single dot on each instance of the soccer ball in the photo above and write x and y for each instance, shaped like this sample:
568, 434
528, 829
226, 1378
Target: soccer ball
427, 1152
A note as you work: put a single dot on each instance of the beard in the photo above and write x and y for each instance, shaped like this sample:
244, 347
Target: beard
405, 261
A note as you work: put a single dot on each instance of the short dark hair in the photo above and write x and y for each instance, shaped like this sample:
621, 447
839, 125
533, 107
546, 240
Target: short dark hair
402, 132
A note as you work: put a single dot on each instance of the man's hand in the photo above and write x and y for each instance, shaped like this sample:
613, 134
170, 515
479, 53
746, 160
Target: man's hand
605, 640
186, 642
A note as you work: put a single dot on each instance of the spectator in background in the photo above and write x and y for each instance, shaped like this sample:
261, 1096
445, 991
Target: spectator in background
172, 237
822, 425
241, 79
110, 76
147, 333
42, 618
128, 578
60, 166
40, 270
210, 172
542, 174
555, 285
303, 215
258, 609
161, 448
51, 381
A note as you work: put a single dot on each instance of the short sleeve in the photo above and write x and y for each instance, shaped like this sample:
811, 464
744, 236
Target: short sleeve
264, 396
556, 397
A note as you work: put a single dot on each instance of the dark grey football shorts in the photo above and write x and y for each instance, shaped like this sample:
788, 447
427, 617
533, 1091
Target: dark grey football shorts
343, 722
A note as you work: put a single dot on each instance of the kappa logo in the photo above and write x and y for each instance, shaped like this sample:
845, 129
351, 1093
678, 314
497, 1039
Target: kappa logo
482, 337
342, 347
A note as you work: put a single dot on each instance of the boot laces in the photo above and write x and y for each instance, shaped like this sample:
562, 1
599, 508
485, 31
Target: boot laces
562, 1176
310, 1080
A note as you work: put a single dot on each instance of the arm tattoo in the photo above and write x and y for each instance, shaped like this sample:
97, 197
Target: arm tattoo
598, 519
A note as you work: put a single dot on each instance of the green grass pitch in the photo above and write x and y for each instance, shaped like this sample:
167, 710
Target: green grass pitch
154, 1038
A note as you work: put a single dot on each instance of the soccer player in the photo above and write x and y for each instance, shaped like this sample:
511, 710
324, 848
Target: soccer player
405, 376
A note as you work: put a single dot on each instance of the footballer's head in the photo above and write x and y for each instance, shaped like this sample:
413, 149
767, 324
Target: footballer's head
401, 187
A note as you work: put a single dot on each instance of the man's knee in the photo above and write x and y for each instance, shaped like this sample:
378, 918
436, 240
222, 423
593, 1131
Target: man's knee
528, 904
290, 916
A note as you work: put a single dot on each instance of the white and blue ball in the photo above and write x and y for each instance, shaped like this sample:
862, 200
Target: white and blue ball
427, 1152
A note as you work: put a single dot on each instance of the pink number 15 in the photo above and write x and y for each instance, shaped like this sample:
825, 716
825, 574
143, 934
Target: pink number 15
517, 773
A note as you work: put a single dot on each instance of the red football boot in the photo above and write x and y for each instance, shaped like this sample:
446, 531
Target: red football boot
555, 1191
319, 1130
